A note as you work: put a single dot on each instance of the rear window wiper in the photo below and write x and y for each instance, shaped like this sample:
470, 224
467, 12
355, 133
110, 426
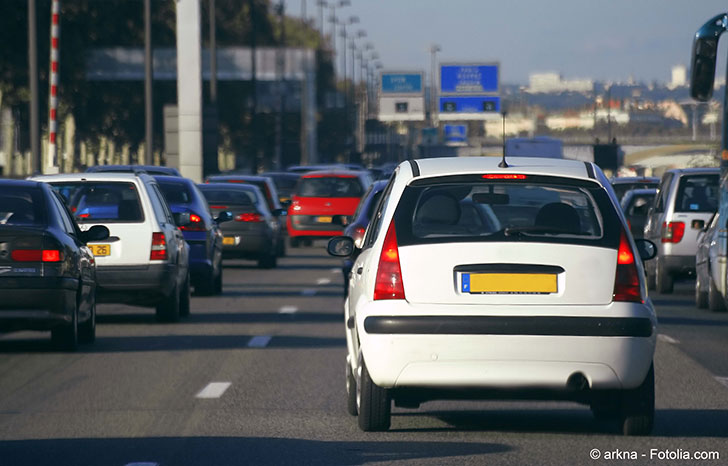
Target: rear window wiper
538, 230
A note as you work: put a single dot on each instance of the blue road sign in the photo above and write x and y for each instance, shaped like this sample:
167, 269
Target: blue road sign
455, 133
470, 104
402, 83
469, 79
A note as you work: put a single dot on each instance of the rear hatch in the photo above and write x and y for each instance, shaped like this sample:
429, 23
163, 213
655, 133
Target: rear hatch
535, 240
695, 203
325, 201
22, 253
118, 206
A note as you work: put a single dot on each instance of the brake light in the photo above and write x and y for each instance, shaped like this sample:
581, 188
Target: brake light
673, 232
626, 280
159, 247
389, 273
196, 224
218, 207
249, 217
36, 255
360, 231
504, 176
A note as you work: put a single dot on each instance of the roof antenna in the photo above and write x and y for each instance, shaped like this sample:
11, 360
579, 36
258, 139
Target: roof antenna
503, 163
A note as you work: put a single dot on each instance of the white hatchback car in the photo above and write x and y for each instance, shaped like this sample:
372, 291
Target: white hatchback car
476, 281
145, 259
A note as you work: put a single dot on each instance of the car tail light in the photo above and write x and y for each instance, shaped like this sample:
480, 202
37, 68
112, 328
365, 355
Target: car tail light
159, 247
196, 224
626, 280
389, 274
673, 232
504, 176
249, 217
36, 255
218, 207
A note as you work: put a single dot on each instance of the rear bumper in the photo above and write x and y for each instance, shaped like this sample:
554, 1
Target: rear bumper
36, 303
149, 283
679, 265
514, 350
248, 244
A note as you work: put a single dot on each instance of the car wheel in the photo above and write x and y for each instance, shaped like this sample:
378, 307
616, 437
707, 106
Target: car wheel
87, 330
168, 309
65, 338
281, 247
206, 286
350, 391
638, 407
184, 298
664, 280
373, 403
218, 280
268, 262
715, 300
701, 296
650, 279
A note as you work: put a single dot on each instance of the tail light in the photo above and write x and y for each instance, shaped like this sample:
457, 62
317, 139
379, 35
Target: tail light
159, 247
626, 280
36, 255
389, 273
196, 224
673, 232
223, 207
249, 217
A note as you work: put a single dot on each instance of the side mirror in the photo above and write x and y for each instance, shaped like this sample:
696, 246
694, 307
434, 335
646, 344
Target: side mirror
646, 249
704, 56
279, 212
95, 233
225, 216
340, 246
181, 218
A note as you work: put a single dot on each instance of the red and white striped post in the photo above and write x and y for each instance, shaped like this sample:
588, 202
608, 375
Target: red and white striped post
51, 165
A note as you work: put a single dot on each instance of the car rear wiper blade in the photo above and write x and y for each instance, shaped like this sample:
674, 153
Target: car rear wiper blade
536, 230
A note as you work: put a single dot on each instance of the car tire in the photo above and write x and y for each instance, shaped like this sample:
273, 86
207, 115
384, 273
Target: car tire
373, 404
87, 330
65, 337
701, 296
638, 407
350, 391
716, 302
184, 298
605, 406
168, 309
268, 262
217, 287
206, 286
663, 280
281, 247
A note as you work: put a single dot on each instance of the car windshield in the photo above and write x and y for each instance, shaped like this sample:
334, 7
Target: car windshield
107, 201
21, 206
536, 209
329, 186
229, 196
176, 193
620, 189
697, 193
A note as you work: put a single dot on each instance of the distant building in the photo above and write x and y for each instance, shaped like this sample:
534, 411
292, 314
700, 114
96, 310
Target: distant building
679, 77
553, 83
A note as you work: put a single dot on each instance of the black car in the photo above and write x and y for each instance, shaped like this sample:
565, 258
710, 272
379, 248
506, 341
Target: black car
285, 185
636, 205
47, 274
148, 169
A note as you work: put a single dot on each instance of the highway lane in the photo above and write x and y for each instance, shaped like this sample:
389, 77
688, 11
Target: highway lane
256, 376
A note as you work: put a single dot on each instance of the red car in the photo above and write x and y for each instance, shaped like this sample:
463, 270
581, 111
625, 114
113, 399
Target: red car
324, 203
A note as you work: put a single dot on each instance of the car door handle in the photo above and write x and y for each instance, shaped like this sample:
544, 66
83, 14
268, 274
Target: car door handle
359, 270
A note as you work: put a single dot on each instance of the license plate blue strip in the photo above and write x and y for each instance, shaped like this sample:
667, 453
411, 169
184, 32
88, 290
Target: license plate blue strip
465, 282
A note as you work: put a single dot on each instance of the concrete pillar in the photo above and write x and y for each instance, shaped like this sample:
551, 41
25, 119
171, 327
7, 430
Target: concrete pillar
189, 89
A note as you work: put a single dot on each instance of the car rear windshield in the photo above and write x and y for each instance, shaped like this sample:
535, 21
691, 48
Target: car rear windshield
176, 193
229, 196
102, 201
697, 193
329, 186
533, 209
21, 206
620, 189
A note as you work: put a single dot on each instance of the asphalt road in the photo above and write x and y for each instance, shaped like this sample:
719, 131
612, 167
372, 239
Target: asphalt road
256, 376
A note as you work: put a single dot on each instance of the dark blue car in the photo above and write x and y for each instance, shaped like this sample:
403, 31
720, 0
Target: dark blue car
202, 233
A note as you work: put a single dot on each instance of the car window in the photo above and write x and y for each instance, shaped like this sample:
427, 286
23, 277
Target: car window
662, 193
66, 221
697, 193
167, 214
107, 201
639, 204
175, 193
376, 218
21, 206
229, 196
330, 186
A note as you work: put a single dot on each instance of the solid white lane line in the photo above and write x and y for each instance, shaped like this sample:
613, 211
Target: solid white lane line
308, 292
261, 341
323, 281
667, 339
723, 380
288, 310
213, 390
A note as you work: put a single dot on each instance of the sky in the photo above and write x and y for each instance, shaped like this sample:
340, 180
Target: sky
605, 40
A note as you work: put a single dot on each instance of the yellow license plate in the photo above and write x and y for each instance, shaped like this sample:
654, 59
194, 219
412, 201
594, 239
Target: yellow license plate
325, 219
509, 283
100, 249
228, 240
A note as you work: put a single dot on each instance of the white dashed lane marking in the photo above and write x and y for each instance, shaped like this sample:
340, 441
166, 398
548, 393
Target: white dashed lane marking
213, 390
288, 310
260, 341
335, 270
667, 339
323, 281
